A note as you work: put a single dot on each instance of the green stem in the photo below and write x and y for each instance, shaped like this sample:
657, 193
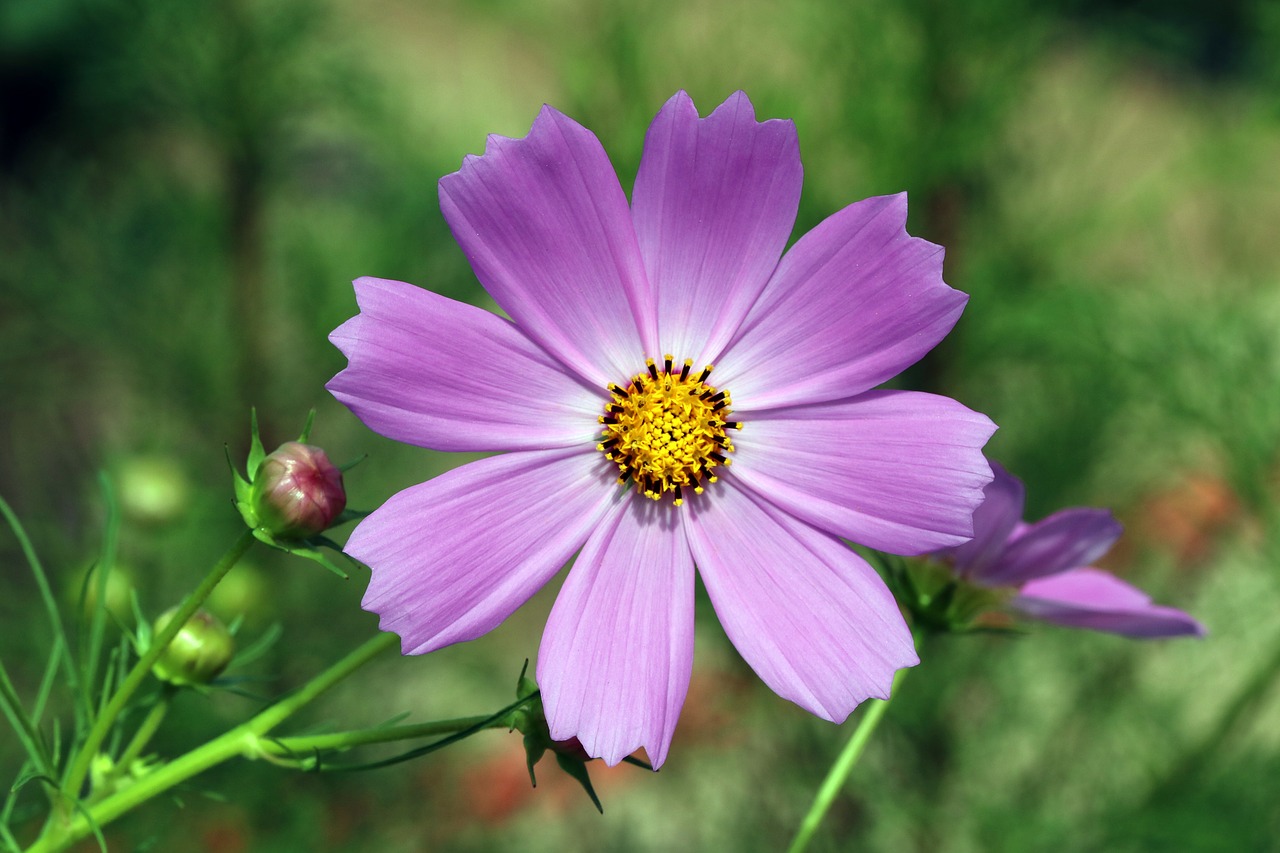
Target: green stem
244, 740
292, 747
79, 769
150, 724
844, 765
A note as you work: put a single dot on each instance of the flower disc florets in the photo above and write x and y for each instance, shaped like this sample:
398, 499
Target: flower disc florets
666, 430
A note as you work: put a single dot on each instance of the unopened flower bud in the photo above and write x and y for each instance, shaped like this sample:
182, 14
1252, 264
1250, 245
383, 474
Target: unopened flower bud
199, 652
297, 492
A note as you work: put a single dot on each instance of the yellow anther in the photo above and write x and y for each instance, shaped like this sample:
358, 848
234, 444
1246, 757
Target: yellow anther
666, 430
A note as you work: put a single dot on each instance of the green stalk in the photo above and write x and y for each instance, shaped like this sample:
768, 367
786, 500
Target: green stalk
839, 773
244, 740
150, 724
79, 768
291, 747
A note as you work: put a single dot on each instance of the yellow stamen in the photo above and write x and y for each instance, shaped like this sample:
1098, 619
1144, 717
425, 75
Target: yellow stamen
666, 430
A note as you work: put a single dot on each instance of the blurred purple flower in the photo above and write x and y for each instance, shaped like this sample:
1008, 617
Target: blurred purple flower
1048, 563
694, 267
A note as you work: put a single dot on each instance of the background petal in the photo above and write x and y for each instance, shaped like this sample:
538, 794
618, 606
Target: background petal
548, 232
809, 615
900, 471
438, 373
993, 522
853, 303
1099, 601
714, 203
617, 652
1065, 540
454, 556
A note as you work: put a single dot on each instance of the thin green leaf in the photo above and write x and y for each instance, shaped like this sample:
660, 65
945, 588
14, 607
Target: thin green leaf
11, 799
422, 750
347, 467
46, 682
306, 430
29, 774
349, 515
229, 685
258, 647
93, 826
142, 625
46, 594
316, 556
21, 724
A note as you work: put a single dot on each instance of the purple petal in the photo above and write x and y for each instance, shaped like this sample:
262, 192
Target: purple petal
714, 203
1065, 540
430, 371
548, 232
853, 302
808, 614
899, 471
454, 556
617, 652
993, 522
1099, 601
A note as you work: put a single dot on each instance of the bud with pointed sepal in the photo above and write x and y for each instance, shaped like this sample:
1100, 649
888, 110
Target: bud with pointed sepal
292, 496
297, 492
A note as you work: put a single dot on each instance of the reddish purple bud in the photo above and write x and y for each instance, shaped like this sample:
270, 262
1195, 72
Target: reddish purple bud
297, 492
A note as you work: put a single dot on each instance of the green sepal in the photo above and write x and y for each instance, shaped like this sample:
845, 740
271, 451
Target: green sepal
578, 770
308, 548
530, 720
353, 463
256, 451
940, 602
351, 515
306, 429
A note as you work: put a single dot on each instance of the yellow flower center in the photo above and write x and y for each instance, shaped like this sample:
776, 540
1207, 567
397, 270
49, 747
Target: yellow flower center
666, 430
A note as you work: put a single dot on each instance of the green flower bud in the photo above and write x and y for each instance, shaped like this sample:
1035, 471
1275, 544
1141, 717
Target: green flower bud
297, 492
199, 652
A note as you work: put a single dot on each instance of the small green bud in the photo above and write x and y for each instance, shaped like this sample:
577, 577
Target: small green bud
297, 492
199, 652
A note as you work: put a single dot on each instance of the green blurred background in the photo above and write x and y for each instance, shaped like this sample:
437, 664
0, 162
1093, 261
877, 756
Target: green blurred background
187, 189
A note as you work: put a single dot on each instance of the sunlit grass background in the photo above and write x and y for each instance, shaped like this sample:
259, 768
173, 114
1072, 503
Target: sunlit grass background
187, 189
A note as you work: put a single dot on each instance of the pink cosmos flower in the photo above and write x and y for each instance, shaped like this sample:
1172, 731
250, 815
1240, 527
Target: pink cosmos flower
1048, 563
618, 434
